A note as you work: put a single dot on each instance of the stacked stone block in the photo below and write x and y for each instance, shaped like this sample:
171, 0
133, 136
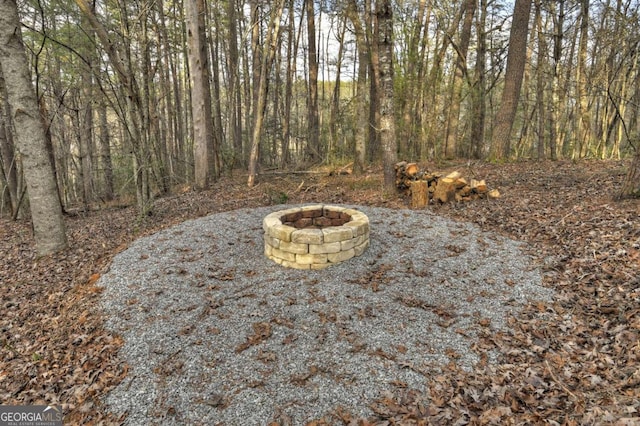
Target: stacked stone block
316, 236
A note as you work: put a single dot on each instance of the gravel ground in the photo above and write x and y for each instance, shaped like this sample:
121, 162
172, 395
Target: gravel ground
215, 333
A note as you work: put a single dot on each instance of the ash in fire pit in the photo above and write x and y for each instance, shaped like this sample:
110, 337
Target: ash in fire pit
315, 237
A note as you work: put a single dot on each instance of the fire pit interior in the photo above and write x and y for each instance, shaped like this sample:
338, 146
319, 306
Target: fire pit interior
316, 236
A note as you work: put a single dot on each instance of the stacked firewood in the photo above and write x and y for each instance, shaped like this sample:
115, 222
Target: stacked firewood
425, 186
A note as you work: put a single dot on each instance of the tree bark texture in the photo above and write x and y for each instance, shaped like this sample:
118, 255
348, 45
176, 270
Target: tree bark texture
233, 92
312, 110
631, 185
9, 164
478, 91
262, 89
451, 143
387, 111
516, 58
46, 212
200, 93
360, 141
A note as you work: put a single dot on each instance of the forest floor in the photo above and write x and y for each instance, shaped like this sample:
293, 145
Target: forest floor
573, 361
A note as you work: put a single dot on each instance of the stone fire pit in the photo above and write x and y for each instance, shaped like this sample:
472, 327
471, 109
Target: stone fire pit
315, 237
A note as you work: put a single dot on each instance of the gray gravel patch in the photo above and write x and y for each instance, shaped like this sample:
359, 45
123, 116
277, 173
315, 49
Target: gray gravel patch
215, 333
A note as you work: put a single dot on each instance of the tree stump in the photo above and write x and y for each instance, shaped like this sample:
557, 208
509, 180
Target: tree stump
419, 194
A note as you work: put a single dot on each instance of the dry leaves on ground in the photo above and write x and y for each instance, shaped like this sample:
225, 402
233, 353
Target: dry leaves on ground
574, 361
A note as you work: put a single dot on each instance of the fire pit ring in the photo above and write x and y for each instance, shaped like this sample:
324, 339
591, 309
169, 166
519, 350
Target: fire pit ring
315, 236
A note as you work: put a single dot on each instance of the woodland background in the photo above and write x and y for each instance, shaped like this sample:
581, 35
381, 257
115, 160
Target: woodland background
143, 101
142, 98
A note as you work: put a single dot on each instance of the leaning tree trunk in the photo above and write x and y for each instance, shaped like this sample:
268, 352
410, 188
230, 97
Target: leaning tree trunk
451, 146
46, 212
516, 58
261, 105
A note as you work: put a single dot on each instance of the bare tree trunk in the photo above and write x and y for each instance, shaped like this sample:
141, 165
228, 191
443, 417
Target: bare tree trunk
8, 163
360, 103
292, 49
313, 146
451, 141
46, 212
335, 98
541, 82
478, 101
255, 63
371, 28
631, 185
86, 117
233, 93
132, 115
408, 139
433, 83
583, 118
105, 154
218, 140
516, 58
384, 13
267, 60
200, 93
165, 105
555, 104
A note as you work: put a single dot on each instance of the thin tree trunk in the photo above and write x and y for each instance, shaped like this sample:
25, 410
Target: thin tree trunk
555, 104
166, 107
434, 81
132, 114
86, 116
371, 28
292, 49
335, 98
105, 154
360, 140
451, 141
218, 140
478, 100
583, 118
409, 98
46, 212
255, 63
233, 94
267, 60
541, 83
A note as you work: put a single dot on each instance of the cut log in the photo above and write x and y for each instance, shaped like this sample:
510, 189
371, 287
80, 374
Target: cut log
479, 186
465, 191
445, 190
454, 175
419, 194
411, 170
460, 183
424, 185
